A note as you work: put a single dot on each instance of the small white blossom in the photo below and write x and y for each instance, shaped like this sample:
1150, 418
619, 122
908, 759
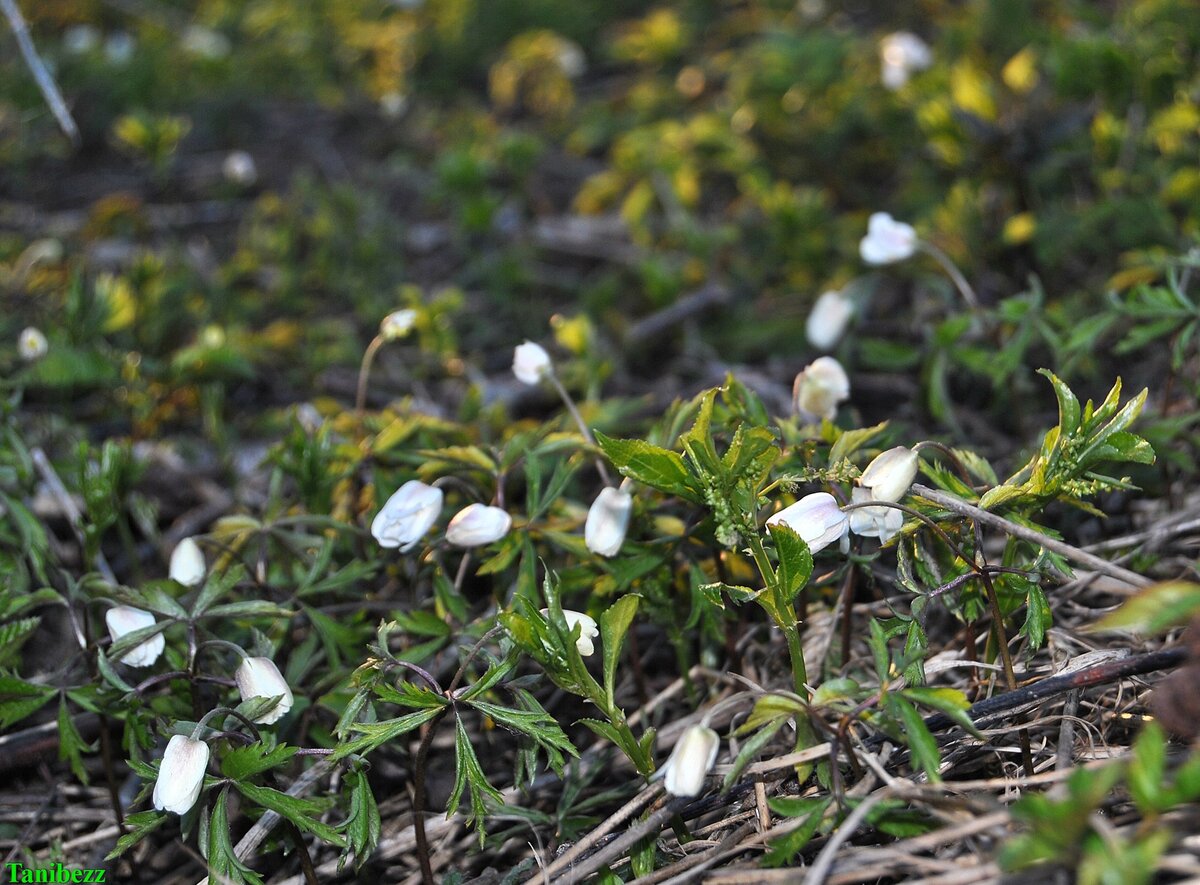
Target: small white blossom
258, 677
125, 619
478, 524
690, 761
887, 240
588, 629
819, 388
607, 521
397, 324
828, 319
901, 55
80, 39
531, 363
408, 514
181, 775
204, 42
890, 474
32, 344
874, 522
816, 518
187, 563
393, 104
119, 47
239, 168
571, 58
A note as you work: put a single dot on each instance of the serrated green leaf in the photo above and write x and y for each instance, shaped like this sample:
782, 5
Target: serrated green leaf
138, 826
795, 561
650, 465
376, 733
245, 761
920, 740
614, 624
300, 811
469, 776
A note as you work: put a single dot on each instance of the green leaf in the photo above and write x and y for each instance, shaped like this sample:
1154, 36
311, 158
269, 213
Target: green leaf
242, 762
469, 775
784, 849
223, 863
650, 465
920, 740
138, 826
363, 825
852, 441
70, 742
1068, 403
950, 701
1037, 617
1156, 609
795, 561
614, 624
1147, 770
250, 608
302, 812
376, 733
110, 674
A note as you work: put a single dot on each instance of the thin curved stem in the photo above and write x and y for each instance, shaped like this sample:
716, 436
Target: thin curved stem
956, 276
364, 373
580, 423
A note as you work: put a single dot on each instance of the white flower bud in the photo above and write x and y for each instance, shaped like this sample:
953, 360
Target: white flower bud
204, 42
239, 168
531, 363
397, 324
874, 522
181, 775
125, 619
819, 388
478, 524
902, 54
32, 344
690, 762
607, 521
816, 518
887, 240
260, 678
828, 319
187, 563
79, 39
408, 514
890, 474
588, 629
119, 47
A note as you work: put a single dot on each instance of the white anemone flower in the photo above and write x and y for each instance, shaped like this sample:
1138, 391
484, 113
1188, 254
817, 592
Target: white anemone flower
408, 514
828, 319
32, 344
478, 524
874, 522
690, 761
607, 521
901, 55
890, 474
125, 619
181, 775
239, 168
816, 518
588, 629
531, 363
887, 240
258, 677
397, 324
187, 563
819, 388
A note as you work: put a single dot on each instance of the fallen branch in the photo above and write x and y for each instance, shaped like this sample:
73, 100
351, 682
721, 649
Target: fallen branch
38, 68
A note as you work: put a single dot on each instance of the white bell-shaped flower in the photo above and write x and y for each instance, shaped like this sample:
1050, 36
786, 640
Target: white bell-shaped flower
181, 775
890, 474
478, 524
816, 518
819, 388
187, 563
397, 324
531, 363
588, 629
408, 514
125, 619
690, 761
874, 522
828, 319
607, 521
887, 240
32, 344
239, 168
258, 677
901, 55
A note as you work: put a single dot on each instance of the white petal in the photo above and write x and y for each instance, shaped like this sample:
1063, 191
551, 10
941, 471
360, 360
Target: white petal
607, 521
187, 563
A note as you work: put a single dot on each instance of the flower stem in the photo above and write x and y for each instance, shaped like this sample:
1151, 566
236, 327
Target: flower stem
580, 423
956, 276
364, 372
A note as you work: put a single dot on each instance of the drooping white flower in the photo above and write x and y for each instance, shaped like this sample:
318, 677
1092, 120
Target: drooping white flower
239, 168
258, 677
32, 344
181, 775
816, 518
828, 319
887, 240
588, 629
874, 522
478, 524
690, 761
79, 39
819, 388
408, 514
119, 47
187, 563
890, 474
397, 324
607, 521
125, 619
902, 54
570, 58
204, 42
531, 363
